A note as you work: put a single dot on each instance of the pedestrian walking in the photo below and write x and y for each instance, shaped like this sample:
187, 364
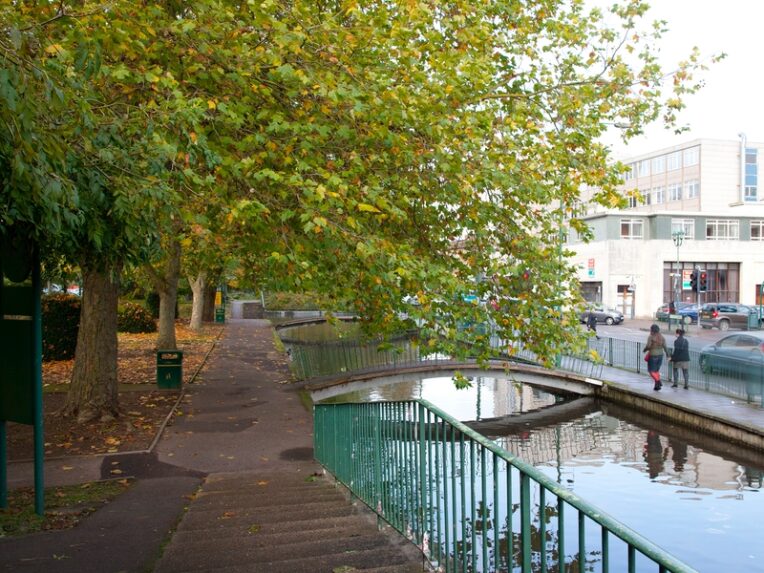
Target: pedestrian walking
680, 359
655, 349
591, 323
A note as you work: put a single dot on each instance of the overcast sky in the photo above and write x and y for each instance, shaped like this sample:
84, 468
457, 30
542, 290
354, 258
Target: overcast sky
732, 100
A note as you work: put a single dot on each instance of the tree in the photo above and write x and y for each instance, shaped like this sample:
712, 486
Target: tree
369, 152
403, 149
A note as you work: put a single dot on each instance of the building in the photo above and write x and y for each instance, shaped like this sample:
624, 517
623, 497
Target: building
708, 192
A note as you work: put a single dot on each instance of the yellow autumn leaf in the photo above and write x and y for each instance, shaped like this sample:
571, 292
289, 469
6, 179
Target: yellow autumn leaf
211, 104
53, 49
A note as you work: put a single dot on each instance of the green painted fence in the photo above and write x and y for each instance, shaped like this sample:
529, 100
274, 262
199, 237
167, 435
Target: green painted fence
468, 504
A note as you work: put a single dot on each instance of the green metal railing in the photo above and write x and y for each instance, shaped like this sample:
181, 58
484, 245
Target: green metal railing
327, 358
468, 504
737, 379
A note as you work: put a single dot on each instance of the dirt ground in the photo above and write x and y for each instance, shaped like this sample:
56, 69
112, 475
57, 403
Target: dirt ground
143, 406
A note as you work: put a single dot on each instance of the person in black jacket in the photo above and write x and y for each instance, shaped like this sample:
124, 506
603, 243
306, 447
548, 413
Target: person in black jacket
591, 323
680, 359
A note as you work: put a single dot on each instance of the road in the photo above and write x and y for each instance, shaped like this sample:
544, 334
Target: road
637, 330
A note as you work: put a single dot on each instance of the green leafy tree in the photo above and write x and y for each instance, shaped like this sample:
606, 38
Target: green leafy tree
368, 151
399, 149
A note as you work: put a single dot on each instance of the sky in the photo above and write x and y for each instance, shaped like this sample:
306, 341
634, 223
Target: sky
732, 100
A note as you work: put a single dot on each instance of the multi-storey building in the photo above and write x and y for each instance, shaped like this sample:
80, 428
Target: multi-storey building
705, 191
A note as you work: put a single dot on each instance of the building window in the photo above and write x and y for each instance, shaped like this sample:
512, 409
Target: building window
644, 168
658, 195
631, 172
631, 228
632, 199
675, 192
687, 226
691, 156
659, 164
722, 230
751, 174
674, 161
757, 230
693, 188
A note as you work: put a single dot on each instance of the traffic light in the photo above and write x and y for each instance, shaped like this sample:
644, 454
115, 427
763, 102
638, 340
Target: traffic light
703, 281
694, 281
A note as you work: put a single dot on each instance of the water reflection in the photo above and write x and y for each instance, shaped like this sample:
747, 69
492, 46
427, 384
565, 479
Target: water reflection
697, 497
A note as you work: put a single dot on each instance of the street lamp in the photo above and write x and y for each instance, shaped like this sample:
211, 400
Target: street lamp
678, 238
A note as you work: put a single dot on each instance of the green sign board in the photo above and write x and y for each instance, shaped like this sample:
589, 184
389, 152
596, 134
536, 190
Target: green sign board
17, 361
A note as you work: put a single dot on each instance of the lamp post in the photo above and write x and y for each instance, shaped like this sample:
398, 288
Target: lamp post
678, 238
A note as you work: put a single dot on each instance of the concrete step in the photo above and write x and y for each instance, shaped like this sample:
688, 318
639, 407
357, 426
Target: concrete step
264, 523
239, 551
262, 482
234, 517
307, 529
346, 562
266, 499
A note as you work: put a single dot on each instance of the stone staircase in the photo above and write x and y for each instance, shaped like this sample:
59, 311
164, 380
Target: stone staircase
290, 523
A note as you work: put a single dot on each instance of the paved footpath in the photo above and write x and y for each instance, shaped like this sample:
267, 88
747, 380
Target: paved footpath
240, 417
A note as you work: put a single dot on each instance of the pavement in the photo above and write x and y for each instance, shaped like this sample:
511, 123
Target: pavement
239, 416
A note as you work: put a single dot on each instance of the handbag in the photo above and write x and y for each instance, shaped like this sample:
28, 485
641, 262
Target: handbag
647, 356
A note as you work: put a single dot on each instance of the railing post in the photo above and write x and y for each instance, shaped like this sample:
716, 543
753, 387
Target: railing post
378, 457
423, 508
525, 521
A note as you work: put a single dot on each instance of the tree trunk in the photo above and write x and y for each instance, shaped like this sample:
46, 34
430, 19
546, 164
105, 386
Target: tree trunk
208, 315
93, 392
197, 289
167, 287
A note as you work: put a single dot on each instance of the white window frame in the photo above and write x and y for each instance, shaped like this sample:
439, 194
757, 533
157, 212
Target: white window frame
658, 165
759, 226
658, 194
674, 192
643, 169
751, 191
693, 188
635, 228
674, 161
722, 230
691, 156
687, 226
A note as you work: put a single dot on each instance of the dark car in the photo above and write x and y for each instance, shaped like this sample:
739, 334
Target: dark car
602, 314
725, 315
687, 310
737, 355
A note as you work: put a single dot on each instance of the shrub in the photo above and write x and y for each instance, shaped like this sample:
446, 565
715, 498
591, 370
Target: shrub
60, 325
134, 318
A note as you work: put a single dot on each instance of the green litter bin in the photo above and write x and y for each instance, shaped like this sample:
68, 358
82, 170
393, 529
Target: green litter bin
169, 368
220, 314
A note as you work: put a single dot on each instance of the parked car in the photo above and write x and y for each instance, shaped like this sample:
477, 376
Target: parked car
687, 310
738, 355
725, 315
602, 314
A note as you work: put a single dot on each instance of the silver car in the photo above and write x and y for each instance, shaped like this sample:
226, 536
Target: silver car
738, 355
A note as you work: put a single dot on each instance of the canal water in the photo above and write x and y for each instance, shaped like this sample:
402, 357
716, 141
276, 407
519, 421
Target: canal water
696, 497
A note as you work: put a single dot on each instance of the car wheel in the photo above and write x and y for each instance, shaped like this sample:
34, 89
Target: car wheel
724, 325
609, 320
687, 320
705, 365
